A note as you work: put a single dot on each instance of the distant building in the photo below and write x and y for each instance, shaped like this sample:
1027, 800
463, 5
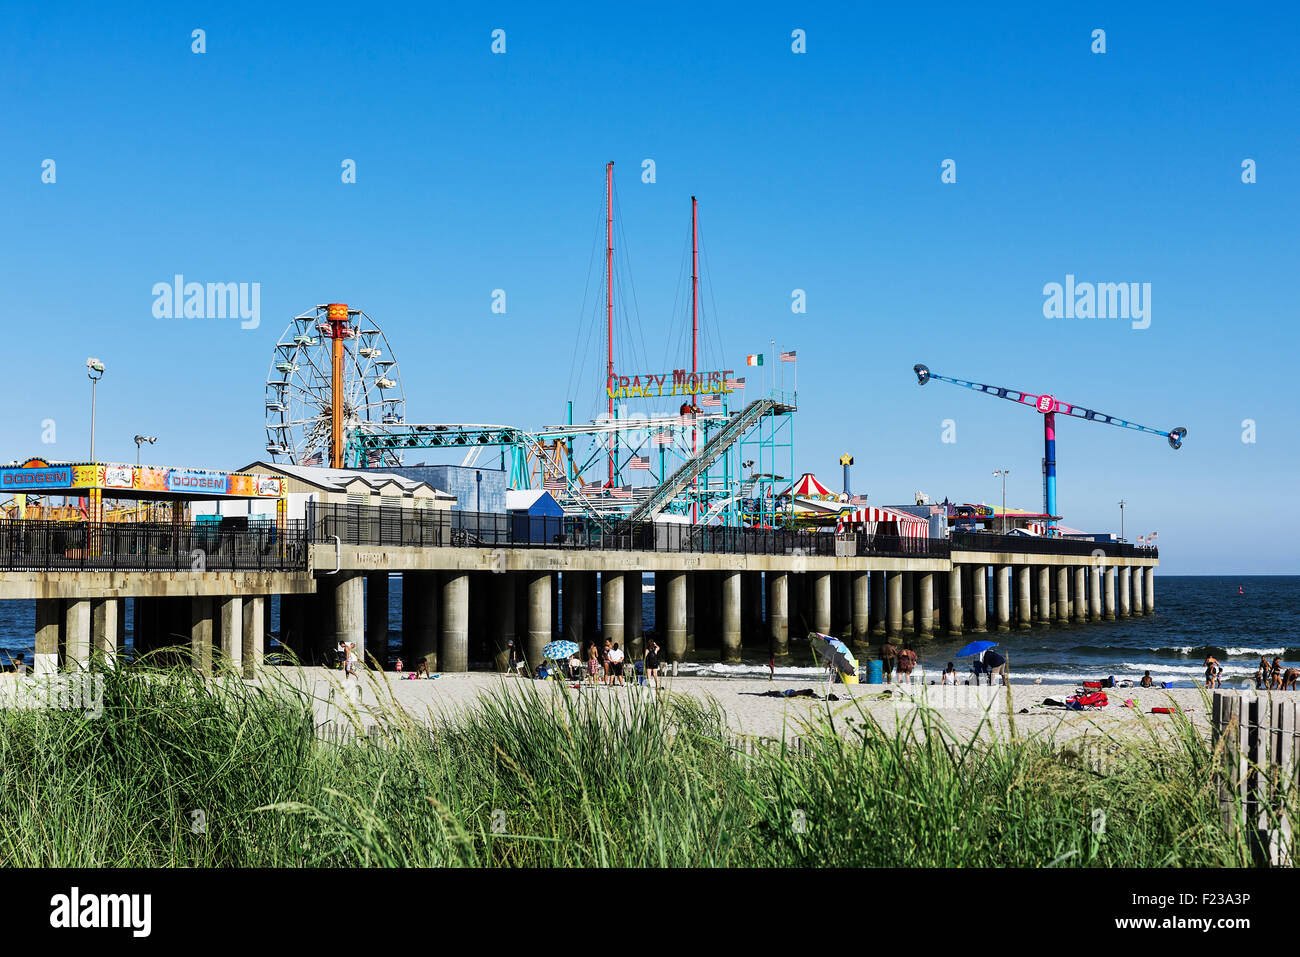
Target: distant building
476, 489
306, 483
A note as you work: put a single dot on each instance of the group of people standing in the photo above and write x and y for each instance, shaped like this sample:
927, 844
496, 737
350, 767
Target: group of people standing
903, 661
1269, 676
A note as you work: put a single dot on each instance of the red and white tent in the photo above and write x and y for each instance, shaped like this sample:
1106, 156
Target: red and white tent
808, 487
909, 526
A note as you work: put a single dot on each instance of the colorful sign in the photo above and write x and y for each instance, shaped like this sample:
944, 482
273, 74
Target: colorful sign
37, 476
24, 479
678, 382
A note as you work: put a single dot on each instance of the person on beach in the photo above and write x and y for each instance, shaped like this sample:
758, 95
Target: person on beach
341, 652
1146, 679
1261, 673
906, 662
516, 664
616, 664
422, 668
888, 654
1289, 679
1275, 674
950, 674
1211, 671
593, 664
400, 668
652, 661
994, 664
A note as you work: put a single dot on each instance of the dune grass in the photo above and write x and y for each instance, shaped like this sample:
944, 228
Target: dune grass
184, 772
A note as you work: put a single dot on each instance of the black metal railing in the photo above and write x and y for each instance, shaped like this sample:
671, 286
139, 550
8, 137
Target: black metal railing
27, 545
1032, 545
368, 525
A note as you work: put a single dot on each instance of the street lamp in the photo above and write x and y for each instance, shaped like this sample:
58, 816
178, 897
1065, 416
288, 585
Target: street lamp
1122, 503
140, 440
1004, 473
95, 372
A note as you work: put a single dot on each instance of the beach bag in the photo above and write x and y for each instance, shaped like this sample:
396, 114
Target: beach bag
1092, 684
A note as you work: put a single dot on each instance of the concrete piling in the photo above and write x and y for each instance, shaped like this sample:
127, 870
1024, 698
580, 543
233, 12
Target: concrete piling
539, 618
504, 587
1094, 593
1125, 589
731, 616
675, 612
252, 634
979, 598
925, 620
1002, 575
1079, 607
955, 616
860, 612
614, 608
778, 613
230, 620
377, 619
1062, 594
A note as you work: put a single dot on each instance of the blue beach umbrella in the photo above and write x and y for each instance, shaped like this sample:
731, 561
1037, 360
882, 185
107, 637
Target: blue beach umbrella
835, 653
560, 650
975, 647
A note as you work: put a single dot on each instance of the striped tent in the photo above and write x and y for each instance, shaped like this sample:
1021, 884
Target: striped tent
808, 487
872, 517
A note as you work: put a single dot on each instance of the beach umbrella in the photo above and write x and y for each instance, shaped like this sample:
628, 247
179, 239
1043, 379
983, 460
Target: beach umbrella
560, 650
975, 647
834, 653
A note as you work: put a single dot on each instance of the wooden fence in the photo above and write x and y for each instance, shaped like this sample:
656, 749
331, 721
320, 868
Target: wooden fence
1258, 737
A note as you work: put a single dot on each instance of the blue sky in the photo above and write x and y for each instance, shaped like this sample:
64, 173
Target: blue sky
817, 171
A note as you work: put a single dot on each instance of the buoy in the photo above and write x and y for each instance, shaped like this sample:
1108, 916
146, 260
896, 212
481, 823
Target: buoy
1240, 590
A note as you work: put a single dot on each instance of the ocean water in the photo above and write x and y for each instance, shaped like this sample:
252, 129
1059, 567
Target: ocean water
1195, 616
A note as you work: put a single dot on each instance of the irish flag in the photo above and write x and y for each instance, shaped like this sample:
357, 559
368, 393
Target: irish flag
754, 360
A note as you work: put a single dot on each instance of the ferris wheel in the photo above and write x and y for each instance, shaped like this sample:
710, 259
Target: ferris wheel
299, 386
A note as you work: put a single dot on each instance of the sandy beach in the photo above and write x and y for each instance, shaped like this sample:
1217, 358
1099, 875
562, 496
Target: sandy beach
751, 709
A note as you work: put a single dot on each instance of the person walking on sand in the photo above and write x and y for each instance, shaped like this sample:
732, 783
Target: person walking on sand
350, 660
888, 654
652, 661
1211, 671
906, 662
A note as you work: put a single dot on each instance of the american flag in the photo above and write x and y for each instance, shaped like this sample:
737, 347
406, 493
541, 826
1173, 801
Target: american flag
1142, 539
313, 460
663, 438
687, 420
1152, 538
639, 462
710, 402
788, 356
591, 490
554, 484
621, 491
736, 383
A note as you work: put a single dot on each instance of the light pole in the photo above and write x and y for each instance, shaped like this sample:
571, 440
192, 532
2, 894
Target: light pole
95, 372
1122, 503
140, 440
1004, 473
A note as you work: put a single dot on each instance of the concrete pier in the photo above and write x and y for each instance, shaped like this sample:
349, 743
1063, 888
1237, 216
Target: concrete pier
674, 631
1125, 591
860, 614
633, 627
895, 583
821, 610
377, 619
104, 635
49, 612
979, 598
731, 615
1002, 579
925, 620
538, 635
876, 610
252, 632
230, 621
349, 613
907, 588
200, 634
613, 610
1149, 591
1094, 592
1080, 604
955, 616
1062, 594
1109, 608
1135, 605
1044, 595
842, 605
76, 632
1024, 598
577, 585
453, 638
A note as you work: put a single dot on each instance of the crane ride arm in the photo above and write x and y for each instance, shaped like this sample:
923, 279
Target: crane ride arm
1047, 403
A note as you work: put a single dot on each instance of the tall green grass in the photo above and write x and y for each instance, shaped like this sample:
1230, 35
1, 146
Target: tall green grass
537, 776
